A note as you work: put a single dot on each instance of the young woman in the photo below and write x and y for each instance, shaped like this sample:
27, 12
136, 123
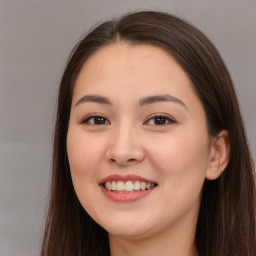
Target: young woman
150, 154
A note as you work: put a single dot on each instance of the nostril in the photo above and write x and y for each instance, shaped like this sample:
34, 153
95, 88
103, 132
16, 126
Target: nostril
131, 160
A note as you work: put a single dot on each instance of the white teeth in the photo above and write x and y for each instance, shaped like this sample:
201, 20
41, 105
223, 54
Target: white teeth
136, 185
108, 185
128, 186
143, 185
113, 186
120, 186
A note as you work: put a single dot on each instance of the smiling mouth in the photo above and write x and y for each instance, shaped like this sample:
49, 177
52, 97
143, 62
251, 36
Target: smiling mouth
128, 186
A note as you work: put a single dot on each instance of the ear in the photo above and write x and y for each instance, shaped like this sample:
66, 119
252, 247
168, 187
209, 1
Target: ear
219, 155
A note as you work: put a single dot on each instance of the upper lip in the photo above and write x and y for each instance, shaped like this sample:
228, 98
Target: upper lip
124, 178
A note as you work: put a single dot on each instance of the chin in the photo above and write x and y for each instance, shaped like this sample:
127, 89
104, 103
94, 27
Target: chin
128, 227
128, 232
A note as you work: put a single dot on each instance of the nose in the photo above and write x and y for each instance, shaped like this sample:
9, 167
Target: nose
125, 147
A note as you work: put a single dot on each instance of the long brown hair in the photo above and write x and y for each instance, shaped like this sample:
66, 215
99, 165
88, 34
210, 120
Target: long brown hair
226, 221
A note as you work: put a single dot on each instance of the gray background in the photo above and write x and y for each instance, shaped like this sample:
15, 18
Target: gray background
35, 40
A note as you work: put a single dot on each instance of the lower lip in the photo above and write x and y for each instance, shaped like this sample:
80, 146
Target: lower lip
126, 196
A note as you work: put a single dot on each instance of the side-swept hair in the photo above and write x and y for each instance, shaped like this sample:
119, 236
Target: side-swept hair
226, 221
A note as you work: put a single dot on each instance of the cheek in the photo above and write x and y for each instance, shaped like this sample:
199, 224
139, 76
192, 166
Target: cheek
84, 153
85, 157
182, 160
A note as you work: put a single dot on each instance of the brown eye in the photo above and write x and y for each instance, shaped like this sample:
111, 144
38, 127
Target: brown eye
96, 120
160, 120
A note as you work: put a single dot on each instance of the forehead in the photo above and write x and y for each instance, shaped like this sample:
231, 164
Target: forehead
140, 66
121, 54
125, 74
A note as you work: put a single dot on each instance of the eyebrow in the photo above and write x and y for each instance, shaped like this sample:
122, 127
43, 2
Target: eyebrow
160, 98
142, 102
94, 98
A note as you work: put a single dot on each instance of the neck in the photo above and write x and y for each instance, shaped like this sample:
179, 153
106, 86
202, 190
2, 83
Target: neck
177, 242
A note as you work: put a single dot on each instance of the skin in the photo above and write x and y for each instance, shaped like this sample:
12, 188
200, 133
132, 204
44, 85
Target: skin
177, 154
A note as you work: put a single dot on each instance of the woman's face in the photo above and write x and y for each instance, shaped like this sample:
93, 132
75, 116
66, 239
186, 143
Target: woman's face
137, 142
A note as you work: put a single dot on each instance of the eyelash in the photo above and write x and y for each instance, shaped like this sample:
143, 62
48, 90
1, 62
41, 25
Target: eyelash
94, 117
162, 118
167, 120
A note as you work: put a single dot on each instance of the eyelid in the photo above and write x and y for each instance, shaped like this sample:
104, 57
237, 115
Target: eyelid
168, 117
91, 116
